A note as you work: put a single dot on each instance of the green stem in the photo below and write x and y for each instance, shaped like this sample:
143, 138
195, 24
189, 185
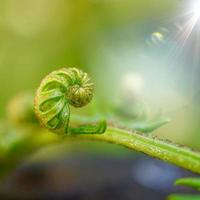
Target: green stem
152, 146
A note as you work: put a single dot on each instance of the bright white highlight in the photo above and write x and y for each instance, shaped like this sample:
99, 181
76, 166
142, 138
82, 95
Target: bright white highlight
196, 9
191, 18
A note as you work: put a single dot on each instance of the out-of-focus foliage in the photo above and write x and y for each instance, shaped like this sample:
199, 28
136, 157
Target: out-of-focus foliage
17, 142
20, 109
184, 197
188, 182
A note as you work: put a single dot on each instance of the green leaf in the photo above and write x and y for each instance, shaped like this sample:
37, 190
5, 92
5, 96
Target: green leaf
189, 182
183, 197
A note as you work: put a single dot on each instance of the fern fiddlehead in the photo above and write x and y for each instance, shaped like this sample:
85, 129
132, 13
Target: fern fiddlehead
59, 90
71, 86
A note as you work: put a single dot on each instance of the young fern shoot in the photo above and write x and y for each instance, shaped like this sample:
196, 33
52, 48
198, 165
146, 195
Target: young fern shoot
59, 90
71, 86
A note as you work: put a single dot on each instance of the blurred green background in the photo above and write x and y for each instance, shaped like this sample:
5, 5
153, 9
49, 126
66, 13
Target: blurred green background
110, 39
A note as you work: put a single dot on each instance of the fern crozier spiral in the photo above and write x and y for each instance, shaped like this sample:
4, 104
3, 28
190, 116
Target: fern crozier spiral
58, 90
